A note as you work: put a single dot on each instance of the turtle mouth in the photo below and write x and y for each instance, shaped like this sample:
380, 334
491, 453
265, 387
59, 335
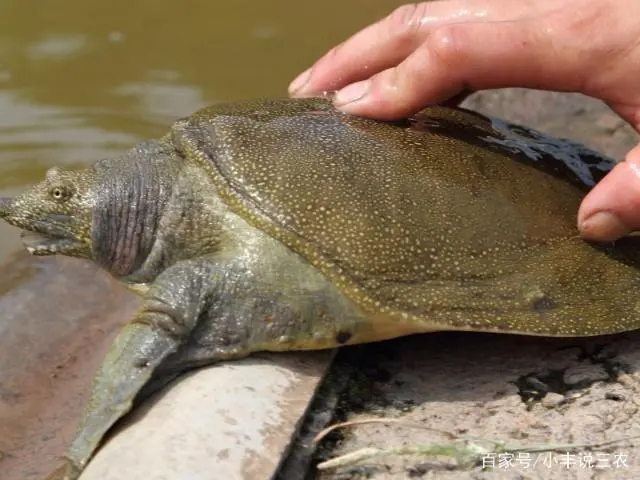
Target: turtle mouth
38, 243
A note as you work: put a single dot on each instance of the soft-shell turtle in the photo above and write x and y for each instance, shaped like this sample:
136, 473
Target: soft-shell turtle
284, 225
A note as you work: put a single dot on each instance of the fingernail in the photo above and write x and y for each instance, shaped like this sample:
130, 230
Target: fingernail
603, 226
300, 81
352, 93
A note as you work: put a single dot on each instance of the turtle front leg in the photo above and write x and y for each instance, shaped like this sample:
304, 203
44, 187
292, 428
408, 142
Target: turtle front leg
202, 311
170, 312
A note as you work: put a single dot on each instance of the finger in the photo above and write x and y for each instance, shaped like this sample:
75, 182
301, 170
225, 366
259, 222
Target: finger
629, 112
389, 41
612, 208
511, 53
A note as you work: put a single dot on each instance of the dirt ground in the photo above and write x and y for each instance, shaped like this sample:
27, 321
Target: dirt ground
522, 391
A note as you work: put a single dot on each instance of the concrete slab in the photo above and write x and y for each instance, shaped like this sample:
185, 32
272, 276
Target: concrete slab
232, 421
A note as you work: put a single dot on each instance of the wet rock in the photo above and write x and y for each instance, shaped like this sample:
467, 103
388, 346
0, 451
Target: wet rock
57, 317
570, 115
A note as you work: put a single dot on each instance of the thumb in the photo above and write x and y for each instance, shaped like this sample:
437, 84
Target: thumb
612, 208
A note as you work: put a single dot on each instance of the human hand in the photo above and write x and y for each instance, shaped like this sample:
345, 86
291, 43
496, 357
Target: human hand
432, 52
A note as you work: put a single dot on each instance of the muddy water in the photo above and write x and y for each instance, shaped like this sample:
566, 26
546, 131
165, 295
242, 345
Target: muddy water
81, 80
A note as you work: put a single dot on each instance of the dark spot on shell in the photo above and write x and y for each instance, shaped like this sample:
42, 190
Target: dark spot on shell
343, 337
543, 304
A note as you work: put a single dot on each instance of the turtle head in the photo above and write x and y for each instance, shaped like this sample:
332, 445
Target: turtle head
108, 213
55, 214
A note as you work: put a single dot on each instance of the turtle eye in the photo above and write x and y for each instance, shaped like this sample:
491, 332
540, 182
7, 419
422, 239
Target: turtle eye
59, 193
